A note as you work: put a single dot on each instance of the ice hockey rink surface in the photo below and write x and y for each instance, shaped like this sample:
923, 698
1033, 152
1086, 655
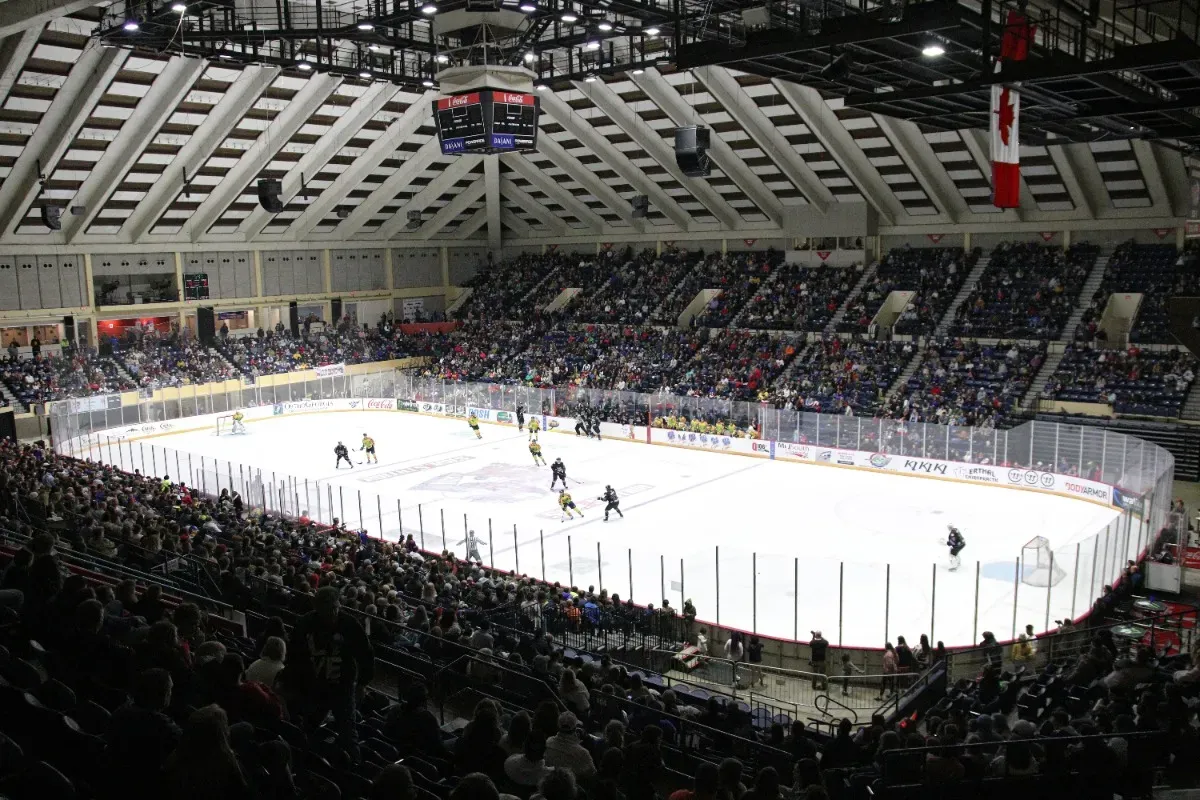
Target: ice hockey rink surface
863, 547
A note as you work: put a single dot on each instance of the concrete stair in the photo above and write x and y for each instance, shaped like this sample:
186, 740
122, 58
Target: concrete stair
1049, 366
460, 301
1191, 404
963, 293
674, 289
1094, 279
124, 373
840, 315
909, 370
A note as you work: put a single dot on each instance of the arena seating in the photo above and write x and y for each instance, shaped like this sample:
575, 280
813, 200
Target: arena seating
967, 383
831, 374
157, 362
497, 289
1027, 292
574, 271
111, 680
1134, 381
742, 276
1150, 269
46, 378
636, 287
935, 274
737, 364
799, 298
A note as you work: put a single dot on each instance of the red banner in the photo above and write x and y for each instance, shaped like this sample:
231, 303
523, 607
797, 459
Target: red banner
1162, 232
1047, 235
749, 242
427, 327
823, 254
935, 237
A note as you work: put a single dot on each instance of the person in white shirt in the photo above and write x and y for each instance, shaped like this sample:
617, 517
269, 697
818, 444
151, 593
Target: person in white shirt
266, 669
564, 749
527, 769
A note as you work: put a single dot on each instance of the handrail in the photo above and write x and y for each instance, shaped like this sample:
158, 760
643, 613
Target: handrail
825, 710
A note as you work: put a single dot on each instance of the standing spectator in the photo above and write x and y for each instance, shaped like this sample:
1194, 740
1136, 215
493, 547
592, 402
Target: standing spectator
36, 345
331, 665
890, 667
754, 654
819, 648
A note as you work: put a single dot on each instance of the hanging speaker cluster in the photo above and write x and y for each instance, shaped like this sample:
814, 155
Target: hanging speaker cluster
414, 220
691, 151
638, 206
269, 195
51, 216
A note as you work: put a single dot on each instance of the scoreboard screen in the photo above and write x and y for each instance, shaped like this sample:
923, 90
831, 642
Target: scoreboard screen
487, 121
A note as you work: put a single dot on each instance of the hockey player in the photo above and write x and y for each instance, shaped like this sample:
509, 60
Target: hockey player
535, 450
567, 505
583, 425
342, 453
473, 421
238, 425
368, 447
534, 427
613, 502
520, 418
472, 543
956, 543
558, 471
596, 426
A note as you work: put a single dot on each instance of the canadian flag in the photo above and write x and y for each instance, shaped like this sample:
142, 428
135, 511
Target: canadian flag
1006, 116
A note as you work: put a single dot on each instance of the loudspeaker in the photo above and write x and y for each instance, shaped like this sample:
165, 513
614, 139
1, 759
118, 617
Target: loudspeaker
69, 329
269, 192
294, 318
52, 217
691, 150
335, 306
639, 205
206, 328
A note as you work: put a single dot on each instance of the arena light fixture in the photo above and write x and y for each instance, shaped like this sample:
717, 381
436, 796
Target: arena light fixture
541, 87
366, 26
605, 26
569, 18
428, 84
364, 74
374, 48
933, 50
590, 79
131, 25
428, 9
179, 8
592, 45
638, 71
303, 65
527, 8
530, 58
652, 31
441, 58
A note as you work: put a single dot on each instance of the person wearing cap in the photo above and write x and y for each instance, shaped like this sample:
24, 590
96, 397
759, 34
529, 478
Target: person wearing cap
564, 750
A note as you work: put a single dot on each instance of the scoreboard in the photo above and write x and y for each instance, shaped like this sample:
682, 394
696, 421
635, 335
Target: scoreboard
487, 121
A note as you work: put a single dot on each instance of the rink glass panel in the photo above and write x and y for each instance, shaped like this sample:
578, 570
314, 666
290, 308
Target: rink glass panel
877, 601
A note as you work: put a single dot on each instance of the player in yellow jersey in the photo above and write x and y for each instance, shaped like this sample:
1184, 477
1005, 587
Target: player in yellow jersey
567, 505
534, 427
368, 447
473, 421
536, 450
238, 425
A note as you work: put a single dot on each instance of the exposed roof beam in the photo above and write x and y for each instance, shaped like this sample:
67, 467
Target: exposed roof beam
923, 163
72, 105
240, 98
347, 125
1174, 170
549, 187
516, 224
167, 91
526, 202
17, 16
1066, 164
457, 169
726, 91
269, 142
586, 133
461, 202
472, 224
648, 139
398, 131
665, 96
491, 178
834, 137
588, 180
416, 163
14, 51
1159, 197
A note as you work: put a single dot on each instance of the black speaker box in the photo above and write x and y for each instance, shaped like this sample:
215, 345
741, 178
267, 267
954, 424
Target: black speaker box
69, 329
52, 217
335, 306
206, 328
691, 150
294, 318
269, 192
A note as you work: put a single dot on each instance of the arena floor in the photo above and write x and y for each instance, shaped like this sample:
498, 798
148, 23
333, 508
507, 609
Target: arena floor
831, 531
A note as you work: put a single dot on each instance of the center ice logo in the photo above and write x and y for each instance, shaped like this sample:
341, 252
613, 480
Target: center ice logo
495, 483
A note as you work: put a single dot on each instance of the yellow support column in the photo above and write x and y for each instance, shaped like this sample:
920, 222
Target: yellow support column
258, 280
967, 242
327, 266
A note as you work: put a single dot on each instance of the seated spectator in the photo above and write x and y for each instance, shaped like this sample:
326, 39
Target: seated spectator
564, 749
527, 768
203, 766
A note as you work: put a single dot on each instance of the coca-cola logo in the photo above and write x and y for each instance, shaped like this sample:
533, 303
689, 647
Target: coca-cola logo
460, 100
508, 97
388, 404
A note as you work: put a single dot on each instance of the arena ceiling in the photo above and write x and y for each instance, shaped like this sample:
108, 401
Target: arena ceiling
145, 147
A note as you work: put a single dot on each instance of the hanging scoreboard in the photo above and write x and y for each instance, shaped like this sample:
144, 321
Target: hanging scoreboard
487, 121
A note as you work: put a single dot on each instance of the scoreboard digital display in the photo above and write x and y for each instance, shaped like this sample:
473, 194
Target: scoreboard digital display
487, 121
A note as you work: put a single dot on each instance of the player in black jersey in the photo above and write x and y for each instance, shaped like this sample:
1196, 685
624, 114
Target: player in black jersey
613, 502
582, 426
520, 418
596, 426
559, 472
956, 543
341, 452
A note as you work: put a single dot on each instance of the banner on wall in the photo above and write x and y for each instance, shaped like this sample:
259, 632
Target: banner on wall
331, 371
1162, 232
935, 237
412, 307
1047, 235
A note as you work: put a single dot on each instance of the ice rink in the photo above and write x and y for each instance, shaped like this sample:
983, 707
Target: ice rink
735, 534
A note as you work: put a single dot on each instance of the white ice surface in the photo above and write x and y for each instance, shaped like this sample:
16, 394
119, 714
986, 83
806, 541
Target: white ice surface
836, 529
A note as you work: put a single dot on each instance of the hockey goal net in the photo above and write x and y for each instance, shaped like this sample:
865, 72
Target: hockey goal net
225, 424
1037, 563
